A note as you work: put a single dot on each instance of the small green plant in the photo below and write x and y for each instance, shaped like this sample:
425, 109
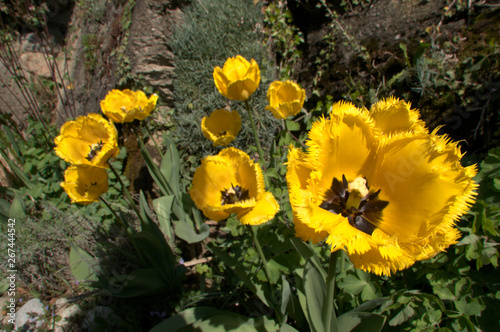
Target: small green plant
90, 44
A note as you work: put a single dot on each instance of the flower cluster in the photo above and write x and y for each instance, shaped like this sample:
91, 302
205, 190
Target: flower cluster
238, 79
88, 143
379, 185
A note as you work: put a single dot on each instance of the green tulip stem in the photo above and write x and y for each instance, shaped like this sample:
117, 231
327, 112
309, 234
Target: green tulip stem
261, 253
122, 223
254, 129
151, 137
127, 194
327, 312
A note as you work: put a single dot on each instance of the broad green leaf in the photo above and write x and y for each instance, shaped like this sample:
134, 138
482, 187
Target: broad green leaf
315, 293
138, 283
360, 322
229, 321
17, 209
292, 125
83, 266
307, 252
287, 328
402, 316
469, 305
163, 209
285, 297
170, 166
240, 271
352, 284
184, 318
188, 234
158, 255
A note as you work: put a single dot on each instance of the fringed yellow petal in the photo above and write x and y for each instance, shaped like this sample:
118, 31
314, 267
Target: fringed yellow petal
232, 183
378, 185
126, 105
84, 184
88, 140
264, 210
393, 116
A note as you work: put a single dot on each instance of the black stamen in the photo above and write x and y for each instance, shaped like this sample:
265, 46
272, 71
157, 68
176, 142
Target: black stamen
365, 216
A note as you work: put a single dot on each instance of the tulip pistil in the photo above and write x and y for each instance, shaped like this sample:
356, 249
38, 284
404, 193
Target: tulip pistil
362, 208
233, 195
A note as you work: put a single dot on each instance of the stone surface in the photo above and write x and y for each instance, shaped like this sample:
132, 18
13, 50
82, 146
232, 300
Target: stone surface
68, 313
28, 316
150, 55
89, 323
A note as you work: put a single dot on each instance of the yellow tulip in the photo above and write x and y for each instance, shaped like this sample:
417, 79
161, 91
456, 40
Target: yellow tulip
231, 182
126, 105
285, 99
89, 140
84, 184
387, 194
238, 79
221, 126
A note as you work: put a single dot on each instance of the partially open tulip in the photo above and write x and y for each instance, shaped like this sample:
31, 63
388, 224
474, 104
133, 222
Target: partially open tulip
90, 140
126, 105
84, 184
221, 126
231, 182
238, 79
285, 99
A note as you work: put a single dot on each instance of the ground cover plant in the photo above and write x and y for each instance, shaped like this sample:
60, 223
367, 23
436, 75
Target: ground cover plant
275, 205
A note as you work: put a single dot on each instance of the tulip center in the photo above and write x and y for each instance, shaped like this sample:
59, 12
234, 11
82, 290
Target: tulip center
355, 201
94, 150
233, 195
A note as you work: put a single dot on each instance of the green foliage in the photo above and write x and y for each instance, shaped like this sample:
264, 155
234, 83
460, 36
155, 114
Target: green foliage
286, 37
90, 46
213, 31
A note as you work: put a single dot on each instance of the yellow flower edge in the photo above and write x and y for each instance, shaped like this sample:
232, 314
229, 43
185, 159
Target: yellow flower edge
423, 191
394, 116
126, 105
222, 126
285, 99
88, 140
231, 182
84, 184
238, 79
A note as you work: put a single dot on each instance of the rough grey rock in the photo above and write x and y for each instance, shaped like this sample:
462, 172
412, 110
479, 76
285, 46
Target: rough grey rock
28, 316
89, 322
67, 313
148, 49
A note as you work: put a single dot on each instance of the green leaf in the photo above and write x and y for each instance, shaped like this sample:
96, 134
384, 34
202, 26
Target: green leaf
287, 328
188, 234
163, 209
138, 283
158, 255
285, 297
83, 266
17, 209
307, 253
239, 270
469, 306
402, 316
292, 125
170, 166
315, 293
230, 321
360, 322
184, 318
